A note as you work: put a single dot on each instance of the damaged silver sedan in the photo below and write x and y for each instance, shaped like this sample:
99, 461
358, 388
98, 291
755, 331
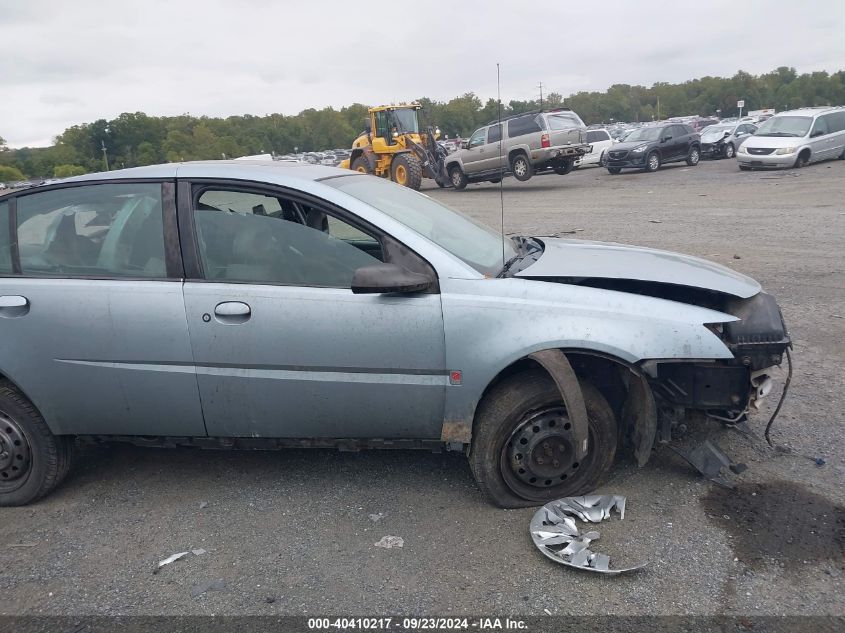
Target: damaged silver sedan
259, 305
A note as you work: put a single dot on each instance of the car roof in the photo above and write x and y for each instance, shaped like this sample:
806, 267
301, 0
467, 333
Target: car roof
239, 170
810, 112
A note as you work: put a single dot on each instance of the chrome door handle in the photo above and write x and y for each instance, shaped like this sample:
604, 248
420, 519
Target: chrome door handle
232, 312
13, 306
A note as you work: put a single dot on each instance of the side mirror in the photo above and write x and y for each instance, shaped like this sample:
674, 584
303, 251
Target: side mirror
816, 133
464, 144
728, 133
666, 138
386, 278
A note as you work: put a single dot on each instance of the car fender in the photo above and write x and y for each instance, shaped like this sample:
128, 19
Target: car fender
490, 324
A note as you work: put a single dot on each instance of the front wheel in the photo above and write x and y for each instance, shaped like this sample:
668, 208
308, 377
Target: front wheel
652, 163
522, 450
458, 177
406, 170
729, 150
693, 157
521, 167
602, 160
362, 165
33, 461
802, 160
614, 170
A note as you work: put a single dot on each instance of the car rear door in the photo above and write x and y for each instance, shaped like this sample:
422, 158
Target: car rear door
92, 317
282, 345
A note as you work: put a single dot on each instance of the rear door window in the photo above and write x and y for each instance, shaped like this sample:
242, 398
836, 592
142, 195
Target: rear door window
495, 134
108, 230
564, 120
5, 242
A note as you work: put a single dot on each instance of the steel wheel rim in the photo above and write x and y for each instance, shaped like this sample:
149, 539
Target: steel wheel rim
541, 447
15, 454
401, 174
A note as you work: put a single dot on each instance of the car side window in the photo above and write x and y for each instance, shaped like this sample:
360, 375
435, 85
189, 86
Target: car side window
251, 237
495, 134
836, 121
108, 230
523, 125
820, 127
5, 241
478, 138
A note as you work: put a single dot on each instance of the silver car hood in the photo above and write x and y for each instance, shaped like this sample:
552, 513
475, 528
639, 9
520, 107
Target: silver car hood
606, 260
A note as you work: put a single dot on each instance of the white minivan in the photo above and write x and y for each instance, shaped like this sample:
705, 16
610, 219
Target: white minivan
795, 138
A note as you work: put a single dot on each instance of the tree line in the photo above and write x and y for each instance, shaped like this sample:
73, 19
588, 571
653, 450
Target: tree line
134, 139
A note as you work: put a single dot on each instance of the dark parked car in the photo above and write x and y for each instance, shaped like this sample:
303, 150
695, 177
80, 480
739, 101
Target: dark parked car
649, 147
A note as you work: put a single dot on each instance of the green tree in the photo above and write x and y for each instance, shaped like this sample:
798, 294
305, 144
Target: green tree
66, 171
8, 173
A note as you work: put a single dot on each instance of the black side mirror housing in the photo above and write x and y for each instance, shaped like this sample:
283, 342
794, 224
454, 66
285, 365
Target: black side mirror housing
666, 138
464, 144
388, 278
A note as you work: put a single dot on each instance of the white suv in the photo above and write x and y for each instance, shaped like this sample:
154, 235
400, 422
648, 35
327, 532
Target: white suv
795, 138
601, 141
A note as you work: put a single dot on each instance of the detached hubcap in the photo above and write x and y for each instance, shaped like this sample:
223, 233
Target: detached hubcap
540, 450
15, 454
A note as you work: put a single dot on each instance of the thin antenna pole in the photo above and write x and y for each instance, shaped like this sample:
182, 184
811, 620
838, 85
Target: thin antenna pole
541, 96
501, 170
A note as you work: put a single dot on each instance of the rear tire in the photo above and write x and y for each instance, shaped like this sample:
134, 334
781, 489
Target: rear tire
694, 156
33, 461
511, 410
521, 167
458, 177
567, 166
406, 170
652, 162
362, 165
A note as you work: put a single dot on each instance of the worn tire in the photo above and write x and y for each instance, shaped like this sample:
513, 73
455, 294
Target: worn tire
802, 160
362, 164
504, 409
406, 170
458, 177
694, 156
567, 166
652, 162
50, 456
521, 167
729, 151
613, 171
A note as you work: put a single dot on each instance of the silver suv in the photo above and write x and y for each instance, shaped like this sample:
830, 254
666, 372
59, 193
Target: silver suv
521, 145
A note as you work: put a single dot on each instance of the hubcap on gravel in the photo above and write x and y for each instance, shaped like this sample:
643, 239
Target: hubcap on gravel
540, 451
15, 454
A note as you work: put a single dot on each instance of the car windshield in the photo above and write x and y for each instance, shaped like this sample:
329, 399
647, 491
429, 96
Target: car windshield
406, 120
644, 134
717, 129
564, 121
474, 243
785, 126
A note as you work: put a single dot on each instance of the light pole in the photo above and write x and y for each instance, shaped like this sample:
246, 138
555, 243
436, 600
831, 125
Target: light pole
105, 155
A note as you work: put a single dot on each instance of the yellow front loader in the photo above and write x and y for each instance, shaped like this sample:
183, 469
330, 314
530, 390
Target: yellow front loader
392, 146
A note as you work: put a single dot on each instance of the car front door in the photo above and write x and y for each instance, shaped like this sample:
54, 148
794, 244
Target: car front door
92, 318
282, 345
475, 153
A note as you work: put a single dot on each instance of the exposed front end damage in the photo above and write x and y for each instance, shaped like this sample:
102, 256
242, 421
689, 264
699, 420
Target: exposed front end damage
726, 390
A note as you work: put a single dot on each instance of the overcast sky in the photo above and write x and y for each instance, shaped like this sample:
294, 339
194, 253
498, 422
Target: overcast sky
63, 63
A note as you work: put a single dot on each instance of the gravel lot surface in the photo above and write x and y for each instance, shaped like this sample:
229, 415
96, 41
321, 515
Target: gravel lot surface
291, 532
